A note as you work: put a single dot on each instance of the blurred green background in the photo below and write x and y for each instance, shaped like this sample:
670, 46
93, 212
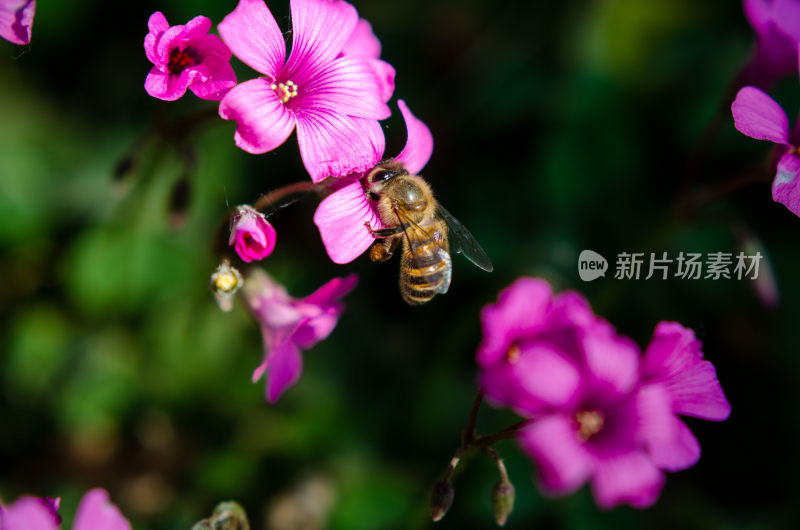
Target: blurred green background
558, 126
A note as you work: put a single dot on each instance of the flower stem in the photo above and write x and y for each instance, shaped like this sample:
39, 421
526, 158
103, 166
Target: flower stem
469, 432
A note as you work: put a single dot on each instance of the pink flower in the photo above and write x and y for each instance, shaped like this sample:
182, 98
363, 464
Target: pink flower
332, 88
16, 20
95, 512
340, 217
186, 57
290, 325
251, 234
758, 116
777, 27
597, 413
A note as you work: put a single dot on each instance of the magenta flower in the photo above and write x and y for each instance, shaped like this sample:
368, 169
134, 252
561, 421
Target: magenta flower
596, 414
186, 57
16, 20
777, 27
333, 95
95, 512
290, 325
758, 116
340, 217
251, 234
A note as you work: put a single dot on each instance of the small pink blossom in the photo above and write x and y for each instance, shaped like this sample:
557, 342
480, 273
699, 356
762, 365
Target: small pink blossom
340, 217
16, 20
252, 235
95, 512
186, 57
332, 88
599, 411
777, 27
758, 116
290, 325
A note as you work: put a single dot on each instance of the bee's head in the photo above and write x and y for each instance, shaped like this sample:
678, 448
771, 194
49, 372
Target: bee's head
380, 175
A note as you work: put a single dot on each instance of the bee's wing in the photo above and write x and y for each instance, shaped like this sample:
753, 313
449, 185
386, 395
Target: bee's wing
416, 234
461, 241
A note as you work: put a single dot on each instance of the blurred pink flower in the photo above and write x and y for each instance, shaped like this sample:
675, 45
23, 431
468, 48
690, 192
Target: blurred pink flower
16, 20
332, 88
758, 116
186, 57
290, 325
95, 512
340, 217
777, 27
251, 234
597, 412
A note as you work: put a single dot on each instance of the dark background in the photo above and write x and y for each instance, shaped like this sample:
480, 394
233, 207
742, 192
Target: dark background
558, 126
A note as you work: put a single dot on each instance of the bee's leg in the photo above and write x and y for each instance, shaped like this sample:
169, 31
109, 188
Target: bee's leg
383, 249
383, 233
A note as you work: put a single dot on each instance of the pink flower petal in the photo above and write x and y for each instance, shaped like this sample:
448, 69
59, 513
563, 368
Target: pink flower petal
262, 121
28, 513
318, 328
362, 41
216, 59
198, 26
561, 459
698, 393
96, 512
674, 358
419, 142
319, 30
157, 24
547, 376
16, 20
347, 85
252, 33
629, 477
386, 75
786, 186
758, 116
331, 292
612, 364
520, 310
167, 41
332, 144
340, 218
671, 444
163, 86
284, 370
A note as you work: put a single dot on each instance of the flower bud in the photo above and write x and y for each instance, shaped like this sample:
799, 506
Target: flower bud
251, 234
502, 501
225, 281
441, 499
229, 516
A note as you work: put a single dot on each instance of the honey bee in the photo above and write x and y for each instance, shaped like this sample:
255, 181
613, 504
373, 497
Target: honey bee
405, 204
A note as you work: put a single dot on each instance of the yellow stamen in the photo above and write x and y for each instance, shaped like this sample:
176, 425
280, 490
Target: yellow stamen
513, 353
285, 91
590, 422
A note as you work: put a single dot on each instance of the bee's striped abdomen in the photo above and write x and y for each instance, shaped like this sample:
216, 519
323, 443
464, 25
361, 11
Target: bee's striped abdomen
425, 271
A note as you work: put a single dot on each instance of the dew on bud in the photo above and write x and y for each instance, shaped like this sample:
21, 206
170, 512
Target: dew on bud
441, 499
225, 281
